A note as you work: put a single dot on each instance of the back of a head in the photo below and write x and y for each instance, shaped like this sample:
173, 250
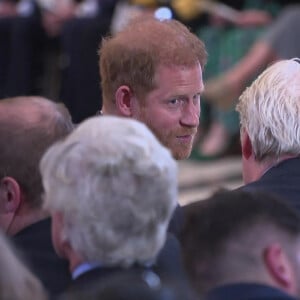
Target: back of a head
28, 126
16, 281
116, 187
133, 55
269, 111
225, 235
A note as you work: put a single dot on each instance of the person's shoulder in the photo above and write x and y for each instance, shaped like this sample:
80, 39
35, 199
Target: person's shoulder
36, 232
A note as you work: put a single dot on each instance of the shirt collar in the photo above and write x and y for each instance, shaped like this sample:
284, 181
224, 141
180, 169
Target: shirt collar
83, 268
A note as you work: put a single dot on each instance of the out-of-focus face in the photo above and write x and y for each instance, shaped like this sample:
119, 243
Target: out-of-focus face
172, 109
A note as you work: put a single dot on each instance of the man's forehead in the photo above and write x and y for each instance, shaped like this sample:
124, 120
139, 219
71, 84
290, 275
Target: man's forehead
176, 67
180, 75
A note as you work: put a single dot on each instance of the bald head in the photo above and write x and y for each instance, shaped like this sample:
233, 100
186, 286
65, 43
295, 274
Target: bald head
28, 126
34, 111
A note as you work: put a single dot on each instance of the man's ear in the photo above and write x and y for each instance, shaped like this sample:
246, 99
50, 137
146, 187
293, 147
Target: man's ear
59, 240
246, 144
124, 100
279, 267
10, 195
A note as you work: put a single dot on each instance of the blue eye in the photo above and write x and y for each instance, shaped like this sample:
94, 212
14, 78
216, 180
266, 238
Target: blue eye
174, 101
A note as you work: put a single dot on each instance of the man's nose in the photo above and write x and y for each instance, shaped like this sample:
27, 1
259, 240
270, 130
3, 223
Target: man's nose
190, 115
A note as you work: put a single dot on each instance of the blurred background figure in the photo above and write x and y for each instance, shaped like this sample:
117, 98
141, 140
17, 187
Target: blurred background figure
21, 37
16, 281
49, 48
74, 29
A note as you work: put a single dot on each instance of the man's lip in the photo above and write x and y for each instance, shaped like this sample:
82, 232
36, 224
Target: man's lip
191, 134
186, 137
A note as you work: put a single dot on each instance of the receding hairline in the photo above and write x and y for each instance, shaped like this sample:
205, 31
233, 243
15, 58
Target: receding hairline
28, 111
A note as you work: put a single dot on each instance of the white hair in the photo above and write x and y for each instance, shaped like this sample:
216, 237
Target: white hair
270, 111
116, 187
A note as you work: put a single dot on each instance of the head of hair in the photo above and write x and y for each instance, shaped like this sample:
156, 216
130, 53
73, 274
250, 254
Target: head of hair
115, 186
269, 111
16, 281
225, 235
132, 56
28, 126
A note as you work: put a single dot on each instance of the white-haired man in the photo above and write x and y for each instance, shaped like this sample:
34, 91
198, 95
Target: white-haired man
111, 189
270, 131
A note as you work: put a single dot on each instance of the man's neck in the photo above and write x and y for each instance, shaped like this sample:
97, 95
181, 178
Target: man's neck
273, 163
24, 219
253, 170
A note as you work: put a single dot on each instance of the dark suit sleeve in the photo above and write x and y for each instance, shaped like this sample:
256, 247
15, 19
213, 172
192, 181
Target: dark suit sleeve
176, 221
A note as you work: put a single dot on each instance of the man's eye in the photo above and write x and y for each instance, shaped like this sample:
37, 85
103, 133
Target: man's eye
196, 99
174, 102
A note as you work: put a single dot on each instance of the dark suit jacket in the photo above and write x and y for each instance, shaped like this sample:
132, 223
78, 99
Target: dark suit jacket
247, 291
100, 274
169, 261
176, 222
126, 284
282, 180
35, 244
168, 265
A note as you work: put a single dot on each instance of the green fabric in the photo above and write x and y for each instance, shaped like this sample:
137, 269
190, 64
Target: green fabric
225, 46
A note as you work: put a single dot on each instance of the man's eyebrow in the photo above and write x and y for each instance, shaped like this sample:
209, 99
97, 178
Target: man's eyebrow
187, 96
184, 95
